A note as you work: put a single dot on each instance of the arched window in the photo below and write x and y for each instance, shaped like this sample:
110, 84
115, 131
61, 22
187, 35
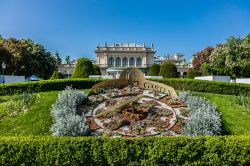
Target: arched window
117, 62
132, 61
138, 62
111, 61
124, 62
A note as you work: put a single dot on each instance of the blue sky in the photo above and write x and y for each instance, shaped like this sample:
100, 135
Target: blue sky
73, 27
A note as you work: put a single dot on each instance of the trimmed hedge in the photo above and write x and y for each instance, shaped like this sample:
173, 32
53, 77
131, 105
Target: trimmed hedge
229, 150
176, 83
46, 85
206, 86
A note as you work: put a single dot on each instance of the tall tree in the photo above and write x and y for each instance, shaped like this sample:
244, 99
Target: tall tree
67, 60
58, 59
202, 57
25, 57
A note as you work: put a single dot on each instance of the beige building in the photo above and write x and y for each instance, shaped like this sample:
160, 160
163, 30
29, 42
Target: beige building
112, 59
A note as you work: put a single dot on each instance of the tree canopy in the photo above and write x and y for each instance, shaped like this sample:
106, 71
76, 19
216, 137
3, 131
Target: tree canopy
168, 70
155, 69
25, 57
83, 69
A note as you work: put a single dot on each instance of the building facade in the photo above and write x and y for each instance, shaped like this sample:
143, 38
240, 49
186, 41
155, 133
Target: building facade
112, 59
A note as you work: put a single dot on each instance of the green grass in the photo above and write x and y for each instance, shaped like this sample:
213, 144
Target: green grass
37, 120
236, 119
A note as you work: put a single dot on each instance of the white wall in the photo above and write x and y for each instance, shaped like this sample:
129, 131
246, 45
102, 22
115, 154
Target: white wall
214, 78
10, 79
154, 77
243, 80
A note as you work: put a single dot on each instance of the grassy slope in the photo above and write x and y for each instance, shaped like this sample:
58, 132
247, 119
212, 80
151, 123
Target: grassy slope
236, 118
37, 120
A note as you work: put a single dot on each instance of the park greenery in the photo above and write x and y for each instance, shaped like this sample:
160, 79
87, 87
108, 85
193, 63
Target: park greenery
231, 58
56, 75
25, 57
155, 69
37, 120
168, 70
84, 68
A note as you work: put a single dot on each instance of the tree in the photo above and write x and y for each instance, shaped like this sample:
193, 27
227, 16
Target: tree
83, 69
56, 75
168, 70
231, 58
58, 59
67, 60
97, 70
193, 73
25, 57
155, 69
202, 57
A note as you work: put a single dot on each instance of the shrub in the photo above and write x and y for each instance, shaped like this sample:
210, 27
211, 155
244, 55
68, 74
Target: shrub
193, 73
243, 100
83, 69
97, 70
45, 85
168, 70
226, 150
56, 75
19, 103
204, 119
66, 115
155, 69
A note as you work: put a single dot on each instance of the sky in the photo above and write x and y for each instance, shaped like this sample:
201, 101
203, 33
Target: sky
74, 27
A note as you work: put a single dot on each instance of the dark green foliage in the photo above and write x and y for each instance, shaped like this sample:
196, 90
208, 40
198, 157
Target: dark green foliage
83, 69
155, 69
56, 75
168, 70
45, 85
193, 73
230, 150
97, 70
176, 83
25, 57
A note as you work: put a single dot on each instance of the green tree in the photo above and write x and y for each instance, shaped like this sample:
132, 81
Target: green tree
193, 73
67, 60
97, 70
58, 59
56, 75
232, 58
168, 70
83, 69
155, 69
25, 57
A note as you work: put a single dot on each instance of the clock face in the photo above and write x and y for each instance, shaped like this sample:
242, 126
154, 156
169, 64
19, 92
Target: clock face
135, 112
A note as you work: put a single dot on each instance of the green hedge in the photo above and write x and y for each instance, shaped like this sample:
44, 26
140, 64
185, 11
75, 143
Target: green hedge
206, 86
230, 150
177, 83
46, 85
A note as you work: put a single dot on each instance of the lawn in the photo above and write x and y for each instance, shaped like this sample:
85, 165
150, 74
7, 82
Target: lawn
236, 118
37, 120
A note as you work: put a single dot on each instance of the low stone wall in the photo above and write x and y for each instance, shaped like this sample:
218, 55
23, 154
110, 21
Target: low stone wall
214, 78
243, 80
10, 79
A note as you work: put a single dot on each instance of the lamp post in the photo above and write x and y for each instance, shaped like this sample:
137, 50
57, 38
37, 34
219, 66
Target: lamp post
3, 67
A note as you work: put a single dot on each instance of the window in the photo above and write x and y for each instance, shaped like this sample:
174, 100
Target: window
111, 61
124, 62
118, 62
132, 61
138, 62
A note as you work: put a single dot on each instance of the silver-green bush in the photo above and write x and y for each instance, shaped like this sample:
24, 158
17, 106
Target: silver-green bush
204, 119
67, 118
